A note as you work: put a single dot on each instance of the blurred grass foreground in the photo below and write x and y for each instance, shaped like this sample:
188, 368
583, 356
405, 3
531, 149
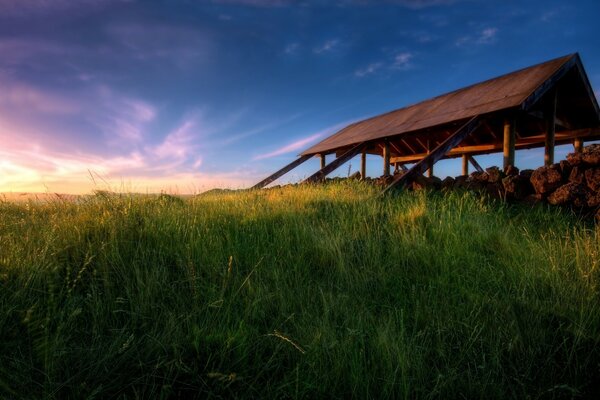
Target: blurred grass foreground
325, 291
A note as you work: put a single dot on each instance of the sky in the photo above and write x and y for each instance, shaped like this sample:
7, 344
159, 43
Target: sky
183, 96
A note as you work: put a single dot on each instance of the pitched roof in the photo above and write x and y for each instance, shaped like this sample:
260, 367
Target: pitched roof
515, 89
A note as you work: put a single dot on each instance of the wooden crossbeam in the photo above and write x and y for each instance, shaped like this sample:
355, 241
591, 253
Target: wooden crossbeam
474, 163
438, 153
527, 142
281, 172
332, 166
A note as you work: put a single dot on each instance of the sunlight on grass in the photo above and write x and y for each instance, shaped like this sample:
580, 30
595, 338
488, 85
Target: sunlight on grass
304, 292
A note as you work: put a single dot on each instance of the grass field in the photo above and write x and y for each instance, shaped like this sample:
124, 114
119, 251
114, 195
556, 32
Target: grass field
299, 292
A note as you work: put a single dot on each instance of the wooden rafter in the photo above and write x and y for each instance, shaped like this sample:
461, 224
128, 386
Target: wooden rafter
437, 153
332, 166
281, 172
521, 143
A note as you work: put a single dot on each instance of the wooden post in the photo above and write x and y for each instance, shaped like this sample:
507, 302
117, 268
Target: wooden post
509, 142
430, 167
550, 116
363, 164
465, 164
332, 166
386, 159
578, 145
323, 160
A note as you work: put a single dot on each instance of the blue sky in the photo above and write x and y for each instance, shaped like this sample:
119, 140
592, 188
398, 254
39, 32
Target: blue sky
184, 95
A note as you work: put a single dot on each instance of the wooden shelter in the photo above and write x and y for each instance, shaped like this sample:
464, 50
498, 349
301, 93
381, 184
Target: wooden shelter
543, 105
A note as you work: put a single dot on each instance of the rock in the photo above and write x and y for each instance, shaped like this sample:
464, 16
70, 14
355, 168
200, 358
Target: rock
424, 182
448, 183
593, 199
574, 159
576, 175
511, 170
526, 173
495, 189
597, 218
567, 194
355, 176
592, 178
494, 174
461, 181
517, 187
565, 169
591, 155
478, 177
546, 179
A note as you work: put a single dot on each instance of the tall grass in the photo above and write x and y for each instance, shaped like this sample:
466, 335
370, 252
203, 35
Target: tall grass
300, 292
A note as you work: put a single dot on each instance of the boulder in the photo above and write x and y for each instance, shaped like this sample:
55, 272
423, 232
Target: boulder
517, 187
526, 173
593, 199
574, 159
494, 174
355, 176
511, 170
565, 169
461, 181
576, 175
495, 189
591, 155
478, 177
592, 178
448, 183
546, 179
567, 194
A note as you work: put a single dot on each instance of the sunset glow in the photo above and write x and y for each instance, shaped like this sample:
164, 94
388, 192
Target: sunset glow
187, 96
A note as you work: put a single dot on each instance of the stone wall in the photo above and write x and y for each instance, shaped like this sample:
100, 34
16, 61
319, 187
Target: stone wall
574, 182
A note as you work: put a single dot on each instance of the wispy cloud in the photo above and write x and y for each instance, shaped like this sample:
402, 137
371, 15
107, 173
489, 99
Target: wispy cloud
18, 95
485, 36
402, 60
327, 46
398, 61
368, 70
291, 48
290, 148
304, 142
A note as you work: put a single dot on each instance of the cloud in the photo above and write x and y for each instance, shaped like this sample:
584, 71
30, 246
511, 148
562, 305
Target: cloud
402, 60
399, 61
291, 48
37, 7
178, 144
327, 47
17, 95
368, 70
302, 143
290, 148
485, 36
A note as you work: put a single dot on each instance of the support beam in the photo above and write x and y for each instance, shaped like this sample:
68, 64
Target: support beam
509, 142
386, 158
526, 142
475, 164
430, 168
281, 172
323, 158
363, 164
578, 144
332, 166
550, 117
465, 164
438, 153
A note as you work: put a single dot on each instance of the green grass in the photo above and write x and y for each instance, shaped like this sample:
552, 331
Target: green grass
299, 292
